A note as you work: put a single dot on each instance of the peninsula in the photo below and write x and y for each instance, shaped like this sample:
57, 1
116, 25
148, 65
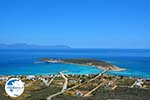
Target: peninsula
83, 61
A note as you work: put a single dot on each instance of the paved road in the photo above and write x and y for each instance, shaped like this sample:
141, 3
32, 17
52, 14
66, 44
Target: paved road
66, 81
58, 93
48, 83
94, 89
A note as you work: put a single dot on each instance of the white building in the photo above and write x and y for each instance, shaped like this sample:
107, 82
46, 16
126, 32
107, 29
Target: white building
30, 77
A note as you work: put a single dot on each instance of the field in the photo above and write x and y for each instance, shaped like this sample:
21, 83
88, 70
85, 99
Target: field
108, 88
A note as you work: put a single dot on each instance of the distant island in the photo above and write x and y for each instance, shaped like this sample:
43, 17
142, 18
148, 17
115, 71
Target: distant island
32, 46
83, 61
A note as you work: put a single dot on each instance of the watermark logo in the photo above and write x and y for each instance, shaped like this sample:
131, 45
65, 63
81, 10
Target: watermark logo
14, 87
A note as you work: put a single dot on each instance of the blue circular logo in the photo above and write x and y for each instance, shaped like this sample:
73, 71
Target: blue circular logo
14, 87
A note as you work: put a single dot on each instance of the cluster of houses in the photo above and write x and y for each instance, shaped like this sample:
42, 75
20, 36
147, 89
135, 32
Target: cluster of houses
138, 83
4, 78
33, 77
47, 60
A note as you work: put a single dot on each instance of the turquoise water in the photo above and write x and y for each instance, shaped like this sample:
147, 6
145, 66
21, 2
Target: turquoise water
47, 69
21, 62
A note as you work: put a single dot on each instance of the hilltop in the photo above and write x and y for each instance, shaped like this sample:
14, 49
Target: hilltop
32, 46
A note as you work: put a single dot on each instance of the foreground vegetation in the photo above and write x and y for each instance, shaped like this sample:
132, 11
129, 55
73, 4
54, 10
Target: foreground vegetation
113, 87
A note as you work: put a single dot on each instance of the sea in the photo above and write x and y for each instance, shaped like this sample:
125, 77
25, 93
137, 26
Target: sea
26, 62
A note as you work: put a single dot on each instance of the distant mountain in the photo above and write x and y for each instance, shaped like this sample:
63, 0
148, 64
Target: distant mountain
29, 46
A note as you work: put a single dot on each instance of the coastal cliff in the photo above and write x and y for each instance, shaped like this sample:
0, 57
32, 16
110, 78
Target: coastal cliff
89, 62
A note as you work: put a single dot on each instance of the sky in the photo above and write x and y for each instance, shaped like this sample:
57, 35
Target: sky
76, 23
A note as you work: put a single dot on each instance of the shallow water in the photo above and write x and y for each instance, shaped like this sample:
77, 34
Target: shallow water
21, 62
